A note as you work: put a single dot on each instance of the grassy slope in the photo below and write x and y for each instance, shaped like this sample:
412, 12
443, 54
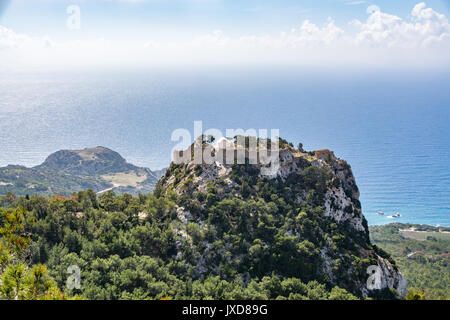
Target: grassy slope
22, 181
45, 182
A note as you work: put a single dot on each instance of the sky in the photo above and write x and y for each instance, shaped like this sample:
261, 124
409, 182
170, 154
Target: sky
63, 33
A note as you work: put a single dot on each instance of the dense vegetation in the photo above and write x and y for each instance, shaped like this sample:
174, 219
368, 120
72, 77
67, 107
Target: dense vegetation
126, 249
425, 263
22, 181
19, 280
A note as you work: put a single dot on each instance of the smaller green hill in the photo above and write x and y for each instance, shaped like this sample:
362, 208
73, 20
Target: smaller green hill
89, 161
68, 171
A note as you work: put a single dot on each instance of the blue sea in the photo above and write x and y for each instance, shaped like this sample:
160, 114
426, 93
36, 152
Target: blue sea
393, 127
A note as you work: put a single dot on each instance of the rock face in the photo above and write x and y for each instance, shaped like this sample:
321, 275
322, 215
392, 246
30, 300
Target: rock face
88, 161
390, 278
319, 181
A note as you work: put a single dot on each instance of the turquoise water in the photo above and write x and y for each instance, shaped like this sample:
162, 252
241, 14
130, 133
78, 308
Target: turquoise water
392, 127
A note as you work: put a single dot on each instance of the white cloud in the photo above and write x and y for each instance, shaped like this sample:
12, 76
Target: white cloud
426, 27
311, 35
383, 38
10, 39
354, 3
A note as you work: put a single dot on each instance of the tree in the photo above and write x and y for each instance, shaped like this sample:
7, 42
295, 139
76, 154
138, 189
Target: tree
8, 199
341, 294
415, 295
17, 280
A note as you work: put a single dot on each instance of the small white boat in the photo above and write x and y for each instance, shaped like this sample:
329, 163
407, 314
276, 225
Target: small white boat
380, 213
395, 216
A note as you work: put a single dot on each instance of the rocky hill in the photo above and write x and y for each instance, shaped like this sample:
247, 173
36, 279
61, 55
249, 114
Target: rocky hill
90, 161
68, 171
304, 220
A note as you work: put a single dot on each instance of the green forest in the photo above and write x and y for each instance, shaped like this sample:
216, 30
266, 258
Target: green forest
124, 254
422, 256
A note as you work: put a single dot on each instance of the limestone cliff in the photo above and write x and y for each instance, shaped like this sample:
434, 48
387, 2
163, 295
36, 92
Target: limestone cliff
315, 198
